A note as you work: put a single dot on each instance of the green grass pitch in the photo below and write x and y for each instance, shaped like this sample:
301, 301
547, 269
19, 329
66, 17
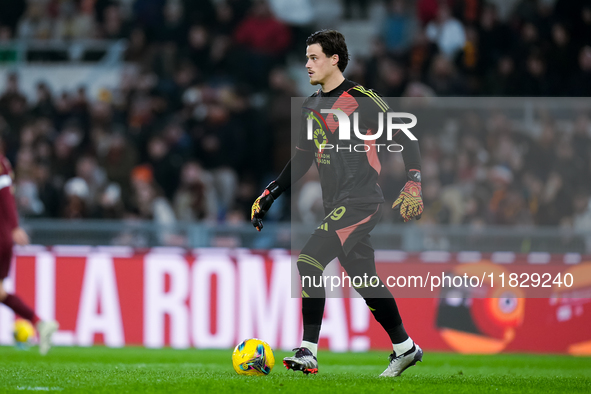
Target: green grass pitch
139, 370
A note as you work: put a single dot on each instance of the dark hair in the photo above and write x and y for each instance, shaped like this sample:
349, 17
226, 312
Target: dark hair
332, 43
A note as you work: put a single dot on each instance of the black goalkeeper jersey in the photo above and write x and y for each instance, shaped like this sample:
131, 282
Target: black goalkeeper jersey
348, 169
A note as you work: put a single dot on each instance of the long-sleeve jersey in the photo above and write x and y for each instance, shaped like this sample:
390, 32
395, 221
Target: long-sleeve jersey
8, 213
348, 168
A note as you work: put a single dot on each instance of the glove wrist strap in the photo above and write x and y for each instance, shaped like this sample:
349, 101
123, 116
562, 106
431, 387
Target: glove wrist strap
414, 175
274, 190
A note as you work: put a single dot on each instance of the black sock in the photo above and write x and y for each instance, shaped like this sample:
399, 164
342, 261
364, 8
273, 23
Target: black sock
315, 256
312, 311
397, 334
386, 313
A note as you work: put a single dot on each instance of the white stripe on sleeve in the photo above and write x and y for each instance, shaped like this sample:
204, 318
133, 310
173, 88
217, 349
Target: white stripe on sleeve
5, 181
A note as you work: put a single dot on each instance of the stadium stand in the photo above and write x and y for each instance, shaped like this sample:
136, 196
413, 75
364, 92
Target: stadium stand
200, 122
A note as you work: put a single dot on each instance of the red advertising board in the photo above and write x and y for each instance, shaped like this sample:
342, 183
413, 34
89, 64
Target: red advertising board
213, 298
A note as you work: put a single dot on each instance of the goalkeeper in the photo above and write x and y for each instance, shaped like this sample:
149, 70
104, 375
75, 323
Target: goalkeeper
351, 196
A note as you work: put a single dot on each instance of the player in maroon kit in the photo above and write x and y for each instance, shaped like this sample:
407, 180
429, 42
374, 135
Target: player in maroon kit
11, 232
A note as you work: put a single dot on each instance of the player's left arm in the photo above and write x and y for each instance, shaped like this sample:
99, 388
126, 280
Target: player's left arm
8, 209
410, 202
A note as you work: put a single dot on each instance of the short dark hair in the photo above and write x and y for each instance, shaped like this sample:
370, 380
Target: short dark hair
332, 43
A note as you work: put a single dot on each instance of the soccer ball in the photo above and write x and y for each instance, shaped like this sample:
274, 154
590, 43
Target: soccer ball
253, 357
23, 332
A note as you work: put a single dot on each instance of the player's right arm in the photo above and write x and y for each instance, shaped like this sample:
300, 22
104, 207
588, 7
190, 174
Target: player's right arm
293, 171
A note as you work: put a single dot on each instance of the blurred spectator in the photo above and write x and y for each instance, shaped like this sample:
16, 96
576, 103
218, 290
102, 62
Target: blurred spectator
420, 56
149, 13
200, 11
581, 139
444, 78
446, 31
73, 22
399, 27
146, 200
277, 137
551, 211
49, 194
7, 54
226, 18
540, 156
293, 12
526, 10
173, 29
27, 199
113, 25
36, 23
110, 203
95, 178
117, 156
503, 80
357, 9
218, 144
427, 10
76, 194
453, 203
434, 211
11, 12
581, 33
528, 44
582, 217
534, 81
392, 77
196, 198
165, 167
248, 191
467, 11
199, 48
148, 203
44, 106
512, 209
495, 36
580, 84
470, 62
13, 103
378, 53
263, 40
562, 58
137, 50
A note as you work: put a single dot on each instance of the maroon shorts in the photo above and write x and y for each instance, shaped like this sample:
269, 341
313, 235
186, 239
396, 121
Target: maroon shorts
5, 256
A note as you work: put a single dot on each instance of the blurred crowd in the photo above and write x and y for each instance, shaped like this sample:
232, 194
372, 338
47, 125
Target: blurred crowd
183, 137
200, 122
484, 167
463, 47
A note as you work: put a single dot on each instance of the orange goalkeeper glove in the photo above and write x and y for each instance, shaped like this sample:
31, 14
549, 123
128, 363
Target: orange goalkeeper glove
410, 202
263, 203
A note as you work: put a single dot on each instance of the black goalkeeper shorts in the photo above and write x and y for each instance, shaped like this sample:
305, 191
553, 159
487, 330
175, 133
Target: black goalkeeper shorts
350, 223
